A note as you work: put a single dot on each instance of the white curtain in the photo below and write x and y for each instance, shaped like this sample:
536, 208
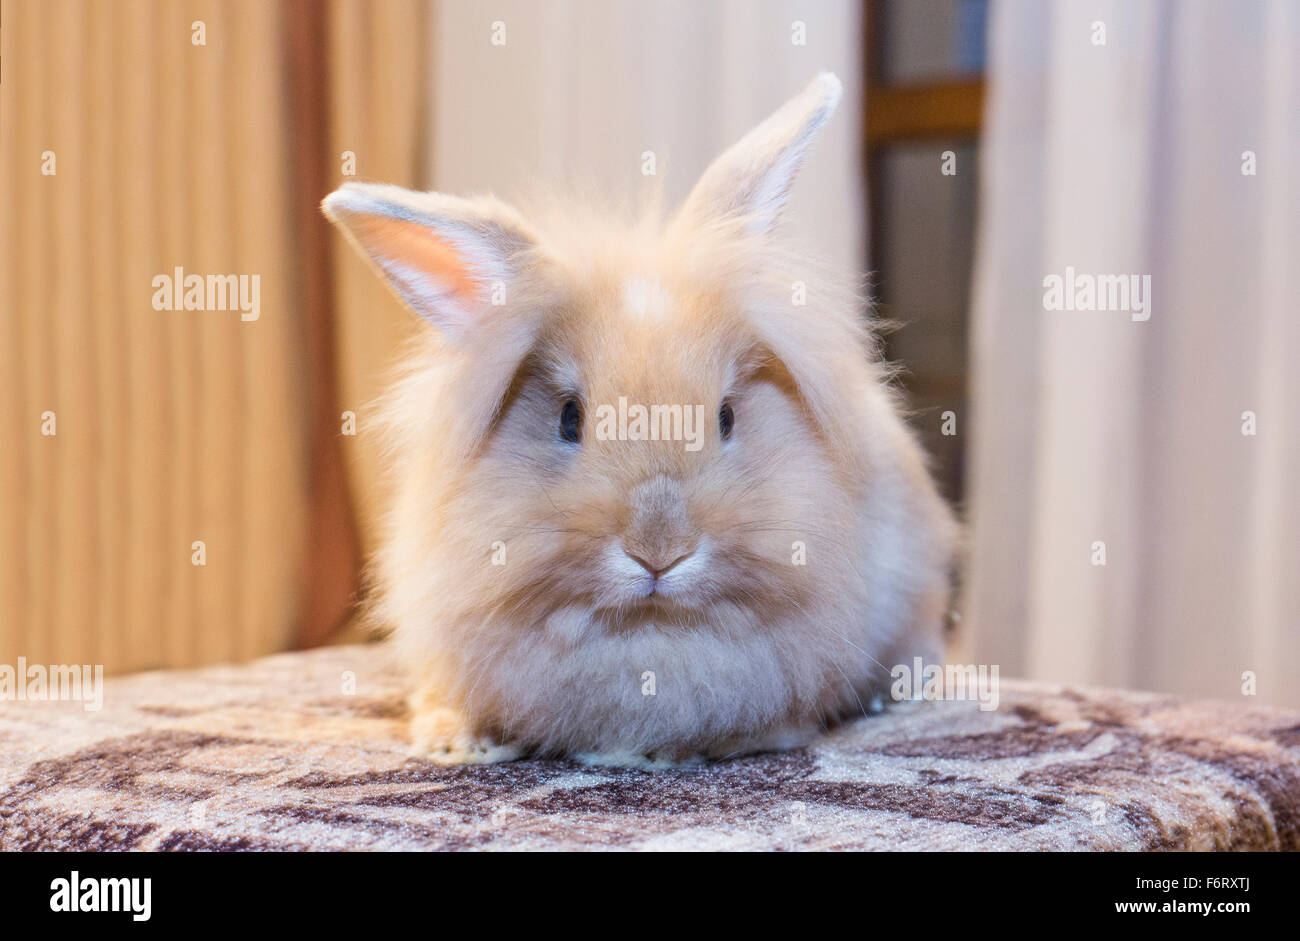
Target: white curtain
575, 91
1134, 157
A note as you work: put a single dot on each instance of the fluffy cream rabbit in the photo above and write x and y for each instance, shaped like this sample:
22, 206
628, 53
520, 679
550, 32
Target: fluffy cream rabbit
565, 584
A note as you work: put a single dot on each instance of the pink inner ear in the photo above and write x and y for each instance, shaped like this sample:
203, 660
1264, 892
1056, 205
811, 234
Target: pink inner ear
415, 246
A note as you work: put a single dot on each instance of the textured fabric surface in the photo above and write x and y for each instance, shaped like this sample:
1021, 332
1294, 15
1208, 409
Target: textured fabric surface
308, 751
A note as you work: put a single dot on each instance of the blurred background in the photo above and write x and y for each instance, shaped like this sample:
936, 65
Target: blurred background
190, 486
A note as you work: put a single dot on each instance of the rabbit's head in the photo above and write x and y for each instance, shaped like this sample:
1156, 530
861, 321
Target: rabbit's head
663, 428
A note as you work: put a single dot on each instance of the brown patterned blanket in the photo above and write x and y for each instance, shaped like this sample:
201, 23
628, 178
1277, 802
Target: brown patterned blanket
307, 751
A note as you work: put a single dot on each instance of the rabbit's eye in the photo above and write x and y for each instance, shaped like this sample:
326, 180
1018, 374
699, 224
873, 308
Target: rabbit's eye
726, 418
571, 421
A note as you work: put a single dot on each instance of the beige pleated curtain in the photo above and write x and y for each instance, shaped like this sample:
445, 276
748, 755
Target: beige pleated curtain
1169, 443
132, 143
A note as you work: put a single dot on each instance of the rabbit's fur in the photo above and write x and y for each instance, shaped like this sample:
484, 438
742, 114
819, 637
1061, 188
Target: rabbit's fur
811, 549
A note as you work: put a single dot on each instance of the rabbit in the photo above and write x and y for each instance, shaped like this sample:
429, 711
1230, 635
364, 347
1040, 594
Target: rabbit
566, 577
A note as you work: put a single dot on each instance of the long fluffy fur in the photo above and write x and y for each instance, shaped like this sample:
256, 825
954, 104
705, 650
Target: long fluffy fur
550, 652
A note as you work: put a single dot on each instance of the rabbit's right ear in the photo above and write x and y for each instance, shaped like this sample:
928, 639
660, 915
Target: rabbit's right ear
752, 180
443, 255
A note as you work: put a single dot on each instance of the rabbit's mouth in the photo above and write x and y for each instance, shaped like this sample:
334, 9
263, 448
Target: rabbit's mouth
669, 579
651, 613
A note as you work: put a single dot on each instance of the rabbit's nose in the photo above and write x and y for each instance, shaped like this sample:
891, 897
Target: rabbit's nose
659, 533
657, 567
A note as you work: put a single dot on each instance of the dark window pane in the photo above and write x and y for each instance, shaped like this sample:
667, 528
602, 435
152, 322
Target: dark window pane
923, 255
930, 40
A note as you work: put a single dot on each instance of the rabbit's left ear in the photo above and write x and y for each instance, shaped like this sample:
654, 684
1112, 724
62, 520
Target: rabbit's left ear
442, 255
753, 178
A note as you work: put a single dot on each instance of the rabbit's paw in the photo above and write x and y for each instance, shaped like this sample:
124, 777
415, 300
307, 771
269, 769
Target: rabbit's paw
440, 736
